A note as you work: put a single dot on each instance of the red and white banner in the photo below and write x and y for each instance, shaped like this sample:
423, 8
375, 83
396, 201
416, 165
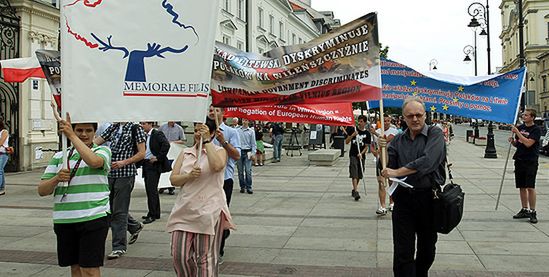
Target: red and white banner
342, 66
328, 114
19, 70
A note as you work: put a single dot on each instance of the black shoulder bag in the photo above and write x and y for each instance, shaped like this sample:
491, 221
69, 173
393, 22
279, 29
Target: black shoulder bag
448, 205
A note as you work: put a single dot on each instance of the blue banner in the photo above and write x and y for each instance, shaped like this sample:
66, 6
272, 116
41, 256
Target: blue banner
494, 97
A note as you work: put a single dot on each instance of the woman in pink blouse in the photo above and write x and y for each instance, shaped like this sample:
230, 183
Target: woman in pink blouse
200, 213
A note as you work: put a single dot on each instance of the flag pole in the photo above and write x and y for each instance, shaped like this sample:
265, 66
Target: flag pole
64, 143
360, 161
509, 149
365, 156
383, 152
503, 176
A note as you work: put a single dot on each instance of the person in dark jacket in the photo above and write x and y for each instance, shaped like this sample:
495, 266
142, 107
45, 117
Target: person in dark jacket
419, 154
155, 163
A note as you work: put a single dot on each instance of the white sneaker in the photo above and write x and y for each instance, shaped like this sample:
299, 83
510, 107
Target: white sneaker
381, 211
115, 254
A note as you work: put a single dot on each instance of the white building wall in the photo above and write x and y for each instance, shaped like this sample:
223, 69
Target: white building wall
39, 30
536, 43
232, 23
264, 33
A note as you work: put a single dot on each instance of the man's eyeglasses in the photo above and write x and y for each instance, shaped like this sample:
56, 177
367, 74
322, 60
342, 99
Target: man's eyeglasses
411, 116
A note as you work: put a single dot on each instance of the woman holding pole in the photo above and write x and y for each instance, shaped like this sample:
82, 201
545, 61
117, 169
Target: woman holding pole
200, 213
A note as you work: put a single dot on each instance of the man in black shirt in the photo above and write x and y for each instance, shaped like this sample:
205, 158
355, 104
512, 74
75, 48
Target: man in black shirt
419, 154
526, 141
277, 133
360, 137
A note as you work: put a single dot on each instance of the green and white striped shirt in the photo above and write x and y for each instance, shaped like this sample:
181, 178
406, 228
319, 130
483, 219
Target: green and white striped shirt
87, 196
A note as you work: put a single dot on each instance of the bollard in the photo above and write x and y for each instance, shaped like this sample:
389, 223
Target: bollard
339, 143
468, 134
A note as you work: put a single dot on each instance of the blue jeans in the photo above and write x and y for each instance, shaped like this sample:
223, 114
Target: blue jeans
3, 162
244, 165
277, 147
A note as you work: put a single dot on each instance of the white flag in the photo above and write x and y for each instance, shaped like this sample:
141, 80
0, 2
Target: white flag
137, 60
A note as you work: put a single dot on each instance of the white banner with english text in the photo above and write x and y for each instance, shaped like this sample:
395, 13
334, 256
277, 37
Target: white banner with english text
137, 60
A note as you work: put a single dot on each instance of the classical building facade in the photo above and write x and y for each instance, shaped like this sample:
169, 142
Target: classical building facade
536, 48
29, 116
260, 25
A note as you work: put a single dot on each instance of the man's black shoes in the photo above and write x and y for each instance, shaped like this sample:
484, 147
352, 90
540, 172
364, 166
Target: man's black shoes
533, 217
148, 220
523, 213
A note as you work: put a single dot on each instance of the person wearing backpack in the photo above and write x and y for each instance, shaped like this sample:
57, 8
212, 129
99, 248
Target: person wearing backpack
418, 154
128, 148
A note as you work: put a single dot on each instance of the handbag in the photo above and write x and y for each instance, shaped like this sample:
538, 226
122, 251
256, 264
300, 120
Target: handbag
8, 150
448, 205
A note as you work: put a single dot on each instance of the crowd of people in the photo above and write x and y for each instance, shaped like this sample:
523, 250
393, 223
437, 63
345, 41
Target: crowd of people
93, 193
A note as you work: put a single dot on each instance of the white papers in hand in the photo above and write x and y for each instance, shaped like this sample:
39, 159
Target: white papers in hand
396, 183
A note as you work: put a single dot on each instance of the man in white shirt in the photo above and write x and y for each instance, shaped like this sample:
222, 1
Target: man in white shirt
248, 148
173, 132
389, 132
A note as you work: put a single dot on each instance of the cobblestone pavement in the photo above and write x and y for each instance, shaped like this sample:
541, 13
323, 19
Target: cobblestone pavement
302, 221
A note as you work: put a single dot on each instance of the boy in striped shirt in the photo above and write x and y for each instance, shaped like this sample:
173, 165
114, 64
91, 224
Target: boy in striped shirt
81, 199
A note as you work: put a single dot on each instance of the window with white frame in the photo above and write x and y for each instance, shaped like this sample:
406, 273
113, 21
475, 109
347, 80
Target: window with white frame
260, 15
226, 39
240, 45
293, 39
227, 5
241, 9
261, 50
281, 30
300, 41
271, 24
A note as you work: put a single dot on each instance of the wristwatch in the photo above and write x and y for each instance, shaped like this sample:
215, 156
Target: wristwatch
205, 141
225, 143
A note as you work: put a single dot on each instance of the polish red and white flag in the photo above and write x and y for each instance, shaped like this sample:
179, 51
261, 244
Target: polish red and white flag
19, 70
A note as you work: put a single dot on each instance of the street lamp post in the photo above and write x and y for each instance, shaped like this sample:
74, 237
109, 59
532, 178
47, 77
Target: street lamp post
521, 48
433, 64
480, 17
469, 50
